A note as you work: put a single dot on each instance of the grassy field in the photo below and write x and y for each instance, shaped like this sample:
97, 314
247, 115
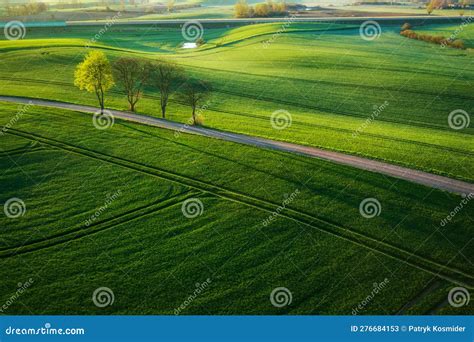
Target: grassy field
311, 70
151, 255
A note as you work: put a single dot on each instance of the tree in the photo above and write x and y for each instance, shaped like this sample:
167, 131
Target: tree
462, 5
241, 9
132, 74
94, 75
200, 41
262, 10
193, 93
458, 44
170, 5
406, 26
430, 7
167, 77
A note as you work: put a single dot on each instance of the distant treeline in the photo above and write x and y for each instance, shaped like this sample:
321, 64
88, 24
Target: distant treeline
26, 9
268, 9
443, 41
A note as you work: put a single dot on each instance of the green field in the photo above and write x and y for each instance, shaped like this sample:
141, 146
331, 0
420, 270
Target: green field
158, 254
312, 70
320, 247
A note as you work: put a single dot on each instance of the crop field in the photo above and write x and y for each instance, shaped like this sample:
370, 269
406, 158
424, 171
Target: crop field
143, 242
313, 71
109, 208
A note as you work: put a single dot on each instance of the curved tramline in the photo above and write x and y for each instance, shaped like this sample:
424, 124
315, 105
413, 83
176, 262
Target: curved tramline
451, 274
96, 227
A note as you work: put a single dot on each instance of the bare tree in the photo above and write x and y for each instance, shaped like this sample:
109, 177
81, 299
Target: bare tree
167, 77
132, 74
193, 93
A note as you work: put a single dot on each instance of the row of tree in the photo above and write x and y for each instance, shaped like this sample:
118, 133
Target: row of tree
26, 9
97, 75
440, 4
407, 32
268, 9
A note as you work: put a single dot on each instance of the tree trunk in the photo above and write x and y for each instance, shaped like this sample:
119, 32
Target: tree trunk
101, 100
163, 102
194, 115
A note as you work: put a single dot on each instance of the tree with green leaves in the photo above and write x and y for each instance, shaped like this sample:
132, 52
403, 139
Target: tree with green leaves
132, 75
193, 93
170, 6
241, 9
94, 74
430, 7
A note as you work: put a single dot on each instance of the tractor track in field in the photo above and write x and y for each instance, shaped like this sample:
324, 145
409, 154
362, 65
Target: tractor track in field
32, 147
331, 83
330, 110
451, 274
425, 291
262, 118
21, 152
345, 130
96, 227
